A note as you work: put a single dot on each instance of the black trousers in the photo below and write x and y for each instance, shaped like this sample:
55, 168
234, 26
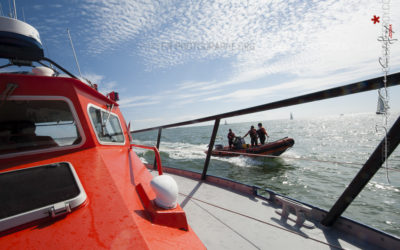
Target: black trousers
254, 141
262, 139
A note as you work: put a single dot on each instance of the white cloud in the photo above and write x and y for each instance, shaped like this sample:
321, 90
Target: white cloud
277, 36
105, 87
138, 104
194, 85
295, 87
262, 38
112, 22
138, 101
93, 77
37, 7
133, 99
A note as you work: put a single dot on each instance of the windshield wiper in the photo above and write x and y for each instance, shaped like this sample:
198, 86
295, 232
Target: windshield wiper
103, 123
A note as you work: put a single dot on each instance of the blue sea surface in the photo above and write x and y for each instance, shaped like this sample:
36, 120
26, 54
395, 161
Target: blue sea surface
327, 154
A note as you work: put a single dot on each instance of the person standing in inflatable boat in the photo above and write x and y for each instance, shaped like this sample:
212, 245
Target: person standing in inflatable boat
253, 136
262, 133
231, 137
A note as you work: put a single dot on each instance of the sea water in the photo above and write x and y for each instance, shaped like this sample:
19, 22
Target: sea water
327, 154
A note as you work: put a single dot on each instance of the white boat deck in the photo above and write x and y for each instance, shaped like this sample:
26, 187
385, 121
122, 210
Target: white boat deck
224, 219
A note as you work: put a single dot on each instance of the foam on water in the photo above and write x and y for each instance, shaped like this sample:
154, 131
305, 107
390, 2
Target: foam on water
240, 161
376, 186
143, 160
180, 150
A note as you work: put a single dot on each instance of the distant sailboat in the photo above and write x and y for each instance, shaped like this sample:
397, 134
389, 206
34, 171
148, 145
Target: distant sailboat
291, 116
226, 123
382, 106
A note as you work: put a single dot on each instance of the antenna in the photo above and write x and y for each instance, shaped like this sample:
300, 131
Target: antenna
9, 8
73, 50
15, 10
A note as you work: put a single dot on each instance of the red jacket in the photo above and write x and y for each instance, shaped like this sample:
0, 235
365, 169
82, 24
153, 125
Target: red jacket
253, 133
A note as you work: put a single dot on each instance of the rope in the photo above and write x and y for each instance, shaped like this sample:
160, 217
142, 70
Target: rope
261, 221
298, 158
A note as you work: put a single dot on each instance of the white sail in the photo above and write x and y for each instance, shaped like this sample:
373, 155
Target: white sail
382, 106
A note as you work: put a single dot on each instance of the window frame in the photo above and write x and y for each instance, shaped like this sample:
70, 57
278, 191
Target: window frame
51, 149
44, 212
94, 127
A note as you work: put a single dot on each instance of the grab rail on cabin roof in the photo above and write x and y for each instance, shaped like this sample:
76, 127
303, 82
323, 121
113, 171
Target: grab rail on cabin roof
157, 155
369, 169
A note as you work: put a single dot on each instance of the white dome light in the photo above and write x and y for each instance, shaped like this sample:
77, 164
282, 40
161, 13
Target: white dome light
166, 190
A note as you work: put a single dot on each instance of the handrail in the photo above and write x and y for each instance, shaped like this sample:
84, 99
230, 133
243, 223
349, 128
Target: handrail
157, 154
358, 87
58, 66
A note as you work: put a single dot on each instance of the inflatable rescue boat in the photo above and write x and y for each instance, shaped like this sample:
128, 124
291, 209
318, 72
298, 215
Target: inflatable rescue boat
274, 148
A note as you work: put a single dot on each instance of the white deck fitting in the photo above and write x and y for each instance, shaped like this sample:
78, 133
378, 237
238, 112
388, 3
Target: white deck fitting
221, 229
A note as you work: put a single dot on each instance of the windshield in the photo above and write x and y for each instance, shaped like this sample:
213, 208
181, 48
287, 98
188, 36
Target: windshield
107, 126
27, 125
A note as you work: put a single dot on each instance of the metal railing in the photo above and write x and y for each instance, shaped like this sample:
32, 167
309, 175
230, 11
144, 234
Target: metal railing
371, 166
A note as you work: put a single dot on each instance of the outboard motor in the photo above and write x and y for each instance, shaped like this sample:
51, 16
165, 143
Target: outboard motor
238, 142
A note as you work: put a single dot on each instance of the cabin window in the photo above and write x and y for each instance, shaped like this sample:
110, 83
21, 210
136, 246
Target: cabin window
34, 193
27, 125
107, 126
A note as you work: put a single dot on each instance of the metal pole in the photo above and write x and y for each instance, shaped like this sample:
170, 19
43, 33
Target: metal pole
366, 173
158, 147
15, 10
210, 148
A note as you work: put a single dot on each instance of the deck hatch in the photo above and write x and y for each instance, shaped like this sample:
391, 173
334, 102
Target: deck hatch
33, 193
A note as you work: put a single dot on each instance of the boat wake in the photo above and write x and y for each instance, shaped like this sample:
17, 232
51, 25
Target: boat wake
187, 151
175, 150
242, 161
183, 151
